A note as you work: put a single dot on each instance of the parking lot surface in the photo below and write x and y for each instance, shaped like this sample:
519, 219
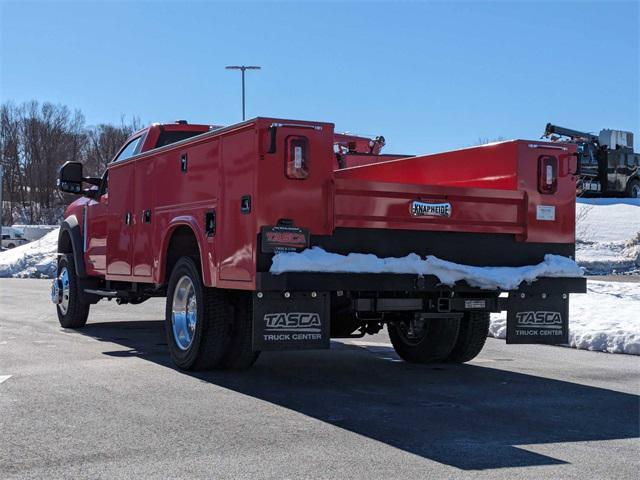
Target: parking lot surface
105, 402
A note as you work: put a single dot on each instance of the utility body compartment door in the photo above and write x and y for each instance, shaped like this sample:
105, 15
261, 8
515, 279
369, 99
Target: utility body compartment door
143, 247
236, 243
120, 219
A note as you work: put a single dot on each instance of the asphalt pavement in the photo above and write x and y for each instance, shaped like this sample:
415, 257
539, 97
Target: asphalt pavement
106, 402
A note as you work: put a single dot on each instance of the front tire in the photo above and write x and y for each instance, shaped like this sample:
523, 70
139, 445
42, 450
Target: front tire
197, 319
72, 310
431, 343
633, 189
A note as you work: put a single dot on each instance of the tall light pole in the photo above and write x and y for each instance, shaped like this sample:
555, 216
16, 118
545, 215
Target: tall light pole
242, 68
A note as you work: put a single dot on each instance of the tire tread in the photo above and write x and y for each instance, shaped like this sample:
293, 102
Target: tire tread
78, 311
213, 315
240, 354
436, 346
474, 328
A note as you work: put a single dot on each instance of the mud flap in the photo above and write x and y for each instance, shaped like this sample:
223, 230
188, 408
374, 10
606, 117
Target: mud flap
299, 322
538, 318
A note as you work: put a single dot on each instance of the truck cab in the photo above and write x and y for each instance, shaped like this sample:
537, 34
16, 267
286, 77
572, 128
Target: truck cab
159, 135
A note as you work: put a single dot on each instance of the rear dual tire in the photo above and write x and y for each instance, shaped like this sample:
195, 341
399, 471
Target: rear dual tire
206, 328
442, 339
472, 335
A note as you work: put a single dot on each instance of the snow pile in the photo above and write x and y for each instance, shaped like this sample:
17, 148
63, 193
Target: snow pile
35, 260
607, 232
506, 278
607, 319
318, 260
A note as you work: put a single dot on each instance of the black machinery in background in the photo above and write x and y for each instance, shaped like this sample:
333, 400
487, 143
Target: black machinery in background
607, 165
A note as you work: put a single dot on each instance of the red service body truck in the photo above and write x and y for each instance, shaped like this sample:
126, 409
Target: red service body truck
196, 214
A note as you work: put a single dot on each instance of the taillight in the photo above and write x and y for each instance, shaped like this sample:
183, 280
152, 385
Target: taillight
547, 174
297, 161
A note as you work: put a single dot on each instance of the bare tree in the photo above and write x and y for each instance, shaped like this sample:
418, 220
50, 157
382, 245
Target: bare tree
10, 158
486, 140
35, 140
51, 134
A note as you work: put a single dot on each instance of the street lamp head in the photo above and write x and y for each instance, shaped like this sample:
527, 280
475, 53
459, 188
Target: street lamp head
243, 67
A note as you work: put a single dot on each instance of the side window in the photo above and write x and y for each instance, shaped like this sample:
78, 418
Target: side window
167, 138
132, 148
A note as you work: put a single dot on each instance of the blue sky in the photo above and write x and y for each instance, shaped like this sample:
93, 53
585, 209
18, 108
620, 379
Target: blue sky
429, 76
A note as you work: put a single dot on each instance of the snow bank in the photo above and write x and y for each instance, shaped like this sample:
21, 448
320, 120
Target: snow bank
35, 260
318, 260
607, 232
607, 319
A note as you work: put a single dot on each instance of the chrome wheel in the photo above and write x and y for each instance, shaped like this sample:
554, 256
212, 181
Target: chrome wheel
63, 278
635, 191
184, 313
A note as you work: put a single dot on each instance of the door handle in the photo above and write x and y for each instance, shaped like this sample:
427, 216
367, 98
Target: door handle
127, 218
146, 216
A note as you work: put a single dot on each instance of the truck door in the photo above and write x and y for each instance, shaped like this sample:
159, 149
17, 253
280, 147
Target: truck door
625, 170
120, 214
614, 164
589, 168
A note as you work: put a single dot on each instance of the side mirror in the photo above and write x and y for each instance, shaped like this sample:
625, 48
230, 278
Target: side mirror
70, 178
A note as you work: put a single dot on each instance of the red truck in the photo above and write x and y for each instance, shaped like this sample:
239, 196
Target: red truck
196, 214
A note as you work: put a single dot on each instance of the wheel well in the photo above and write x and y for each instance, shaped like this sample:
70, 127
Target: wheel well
183, 243
64, 243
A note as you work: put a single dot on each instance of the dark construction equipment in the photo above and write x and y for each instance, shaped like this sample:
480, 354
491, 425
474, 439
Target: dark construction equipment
607, 165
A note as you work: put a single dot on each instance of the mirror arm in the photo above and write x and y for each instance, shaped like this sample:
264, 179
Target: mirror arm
92, 180
90, 193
